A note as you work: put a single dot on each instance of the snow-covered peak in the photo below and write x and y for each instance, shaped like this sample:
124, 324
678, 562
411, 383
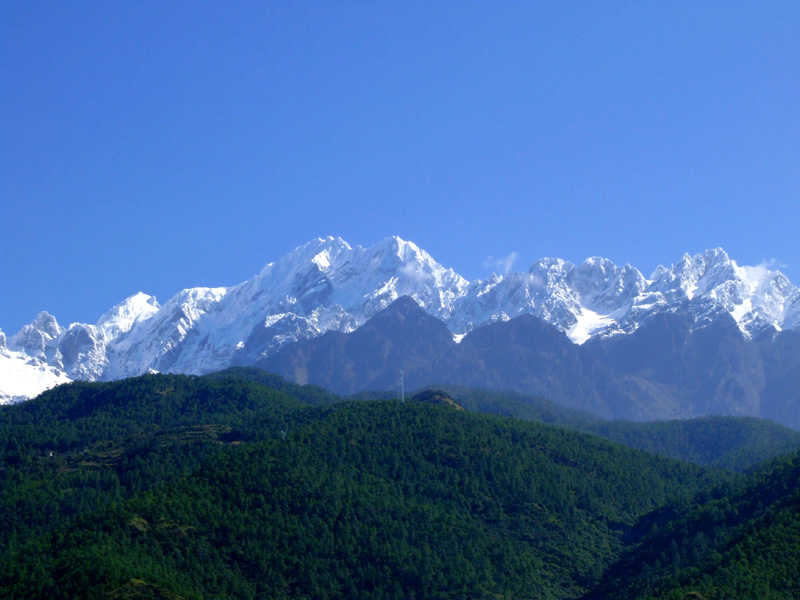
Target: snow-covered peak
394, 248
327, 284
550, 269
156, 341
412, 271
37, 336
47, 324
328, 272
757, 297
190, 305
319, 251
124, 315
598, 297
30, 359
693, 275
604, 287
762, 298
542, 291
322, 285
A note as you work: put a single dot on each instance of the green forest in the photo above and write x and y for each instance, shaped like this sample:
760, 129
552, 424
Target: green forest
242, 485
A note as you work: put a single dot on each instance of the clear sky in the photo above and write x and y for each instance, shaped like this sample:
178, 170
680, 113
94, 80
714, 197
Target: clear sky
155, 146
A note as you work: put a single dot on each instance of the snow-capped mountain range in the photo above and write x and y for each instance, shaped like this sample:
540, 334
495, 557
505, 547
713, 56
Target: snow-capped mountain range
329, 285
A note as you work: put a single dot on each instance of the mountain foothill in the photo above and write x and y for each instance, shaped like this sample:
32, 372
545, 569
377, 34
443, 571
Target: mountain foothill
241, 484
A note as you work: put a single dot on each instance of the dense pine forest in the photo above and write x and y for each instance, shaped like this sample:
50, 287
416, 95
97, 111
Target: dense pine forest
242, 485
735, 443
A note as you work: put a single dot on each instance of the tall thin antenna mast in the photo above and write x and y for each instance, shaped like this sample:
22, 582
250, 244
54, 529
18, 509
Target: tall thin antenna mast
402, 387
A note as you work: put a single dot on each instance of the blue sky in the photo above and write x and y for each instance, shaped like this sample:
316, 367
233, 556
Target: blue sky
158, 146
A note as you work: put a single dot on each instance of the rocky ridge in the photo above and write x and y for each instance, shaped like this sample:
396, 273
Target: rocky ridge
328, 285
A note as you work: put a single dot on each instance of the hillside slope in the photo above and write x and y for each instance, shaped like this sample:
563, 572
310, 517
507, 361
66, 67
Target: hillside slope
735, 443
221, 487
739, 543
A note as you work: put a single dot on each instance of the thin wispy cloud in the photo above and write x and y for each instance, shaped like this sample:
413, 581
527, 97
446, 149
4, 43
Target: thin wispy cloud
410, 270
773, 264
501, 265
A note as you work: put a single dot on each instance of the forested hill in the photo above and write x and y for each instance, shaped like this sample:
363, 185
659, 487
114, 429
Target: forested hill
735, 443
220, 487
740, 542
241, 485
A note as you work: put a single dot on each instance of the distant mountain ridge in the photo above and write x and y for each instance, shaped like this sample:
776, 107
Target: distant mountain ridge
666, 369
327, 285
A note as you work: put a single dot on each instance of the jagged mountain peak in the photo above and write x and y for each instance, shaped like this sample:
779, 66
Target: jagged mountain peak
712, 257
330, 254
314, 251
394, 252
121, 318
323, 285
328, 271
36, 337
329, 285
757, 297
47, 324
694, 274
548, 267
396, 245
597, 266
603, 286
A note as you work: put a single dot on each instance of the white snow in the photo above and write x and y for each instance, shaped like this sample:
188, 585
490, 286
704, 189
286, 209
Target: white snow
588, 323
124, 315
322, 260
23, 377
740, 310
